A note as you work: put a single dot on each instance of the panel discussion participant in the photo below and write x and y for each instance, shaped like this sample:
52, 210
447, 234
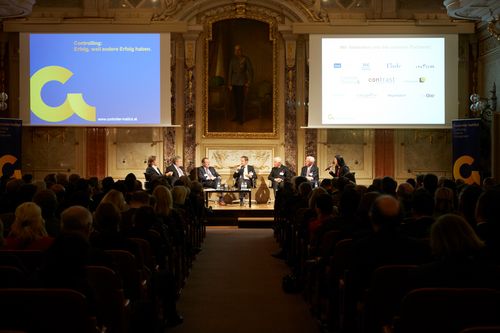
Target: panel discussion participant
152, 170
240, 77
245, 174
175, 170
310, 171
338, 167
208, 176
279, 173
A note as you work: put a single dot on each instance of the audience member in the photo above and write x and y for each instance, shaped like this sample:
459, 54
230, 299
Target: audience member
404, 194
65, 266
389, 186
116, 198
457, 252
430, 183
376, 185
47, 201
28, 231
467, 200
7, 175
412, 182
444, 200
385, 246
488, 221
137, 200
419, 224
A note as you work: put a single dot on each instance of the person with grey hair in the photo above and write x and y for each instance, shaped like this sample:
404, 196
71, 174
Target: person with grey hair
77, 219
175, 170
279, 173
310, 171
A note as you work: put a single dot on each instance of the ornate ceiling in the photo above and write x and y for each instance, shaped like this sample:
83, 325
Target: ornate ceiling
477, 10
15, 8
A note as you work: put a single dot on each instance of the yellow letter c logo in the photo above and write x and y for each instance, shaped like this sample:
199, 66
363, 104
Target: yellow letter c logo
74, 103
473, 178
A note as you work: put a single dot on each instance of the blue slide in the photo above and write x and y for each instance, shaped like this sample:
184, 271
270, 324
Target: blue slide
95, 79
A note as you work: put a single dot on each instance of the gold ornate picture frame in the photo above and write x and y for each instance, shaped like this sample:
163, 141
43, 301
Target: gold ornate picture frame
256, 117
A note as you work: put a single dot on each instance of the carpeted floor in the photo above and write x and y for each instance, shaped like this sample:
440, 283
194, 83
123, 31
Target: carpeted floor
235, 287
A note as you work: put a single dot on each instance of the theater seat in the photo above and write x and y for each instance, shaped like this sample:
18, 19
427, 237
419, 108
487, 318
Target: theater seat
45, 310
112, 307
490, 329
12, 277
447, 310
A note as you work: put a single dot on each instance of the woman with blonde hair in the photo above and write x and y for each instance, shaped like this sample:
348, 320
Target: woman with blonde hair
179, 195
164, 209
458, 262
117, 199
164, 201
28, 230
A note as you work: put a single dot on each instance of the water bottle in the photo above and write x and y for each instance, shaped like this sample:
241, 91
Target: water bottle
243, 184
218, 183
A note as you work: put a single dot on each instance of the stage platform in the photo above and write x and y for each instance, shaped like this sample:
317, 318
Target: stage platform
257, 216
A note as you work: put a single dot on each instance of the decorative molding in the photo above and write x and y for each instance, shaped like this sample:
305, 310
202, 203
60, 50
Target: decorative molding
190, 52
15, 8
290, 52
312, 9
227, 158
240, 10
169, 9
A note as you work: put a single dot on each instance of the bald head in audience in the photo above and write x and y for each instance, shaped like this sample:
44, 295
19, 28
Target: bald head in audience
76, 219
385, 213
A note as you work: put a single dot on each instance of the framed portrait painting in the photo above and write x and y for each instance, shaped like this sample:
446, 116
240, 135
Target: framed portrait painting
240, 85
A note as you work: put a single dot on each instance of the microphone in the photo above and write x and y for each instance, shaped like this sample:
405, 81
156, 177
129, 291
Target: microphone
328, 168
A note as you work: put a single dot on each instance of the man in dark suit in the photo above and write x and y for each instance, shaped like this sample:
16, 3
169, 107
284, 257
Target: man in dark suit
279, 173
208, 176
245, 173
310, 171
175, 170
152, 170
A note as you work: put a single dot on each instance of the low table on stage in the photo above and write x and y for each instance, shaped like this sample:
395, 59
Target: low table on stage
233, 190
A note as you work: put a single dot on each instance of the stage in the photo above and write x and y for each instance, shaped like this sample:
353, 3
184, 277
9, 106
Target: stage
256, 216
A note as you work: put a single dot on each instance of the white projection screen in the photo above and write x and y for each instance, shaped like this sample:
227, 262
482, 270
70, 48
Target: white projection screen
383, 81
95, 79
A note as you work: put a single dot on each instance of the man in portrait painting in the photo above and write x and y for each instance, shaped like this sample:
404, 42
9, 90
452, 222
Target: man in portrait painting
240, 77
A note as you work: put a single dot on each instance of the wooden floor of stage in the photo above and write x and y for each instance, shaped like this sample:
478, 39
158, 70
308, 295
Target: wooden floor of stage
236, 206
257, 216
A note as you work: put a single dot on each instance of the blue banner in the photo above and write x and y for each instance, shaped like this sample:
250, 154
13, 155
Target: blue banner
10, 146
466, 138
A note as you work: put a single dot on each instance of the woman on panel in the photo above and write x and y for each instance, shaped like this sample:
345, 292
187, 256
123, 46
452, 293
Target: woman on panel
338, 167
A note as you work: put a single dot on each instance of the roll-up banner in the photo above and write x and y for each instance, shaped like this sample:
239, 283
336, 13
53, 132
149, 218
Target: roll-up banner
466, 138
10, 146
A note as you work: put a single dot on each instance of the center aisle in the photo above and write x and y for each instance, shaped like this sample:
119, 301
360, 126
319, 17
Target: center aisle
235, 287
